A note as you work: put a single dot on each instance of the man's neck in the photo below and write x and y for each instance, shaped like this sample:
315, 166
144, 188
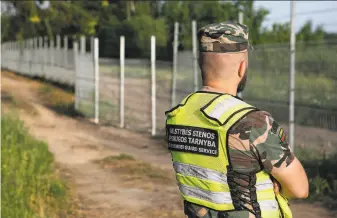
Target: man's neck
219, 90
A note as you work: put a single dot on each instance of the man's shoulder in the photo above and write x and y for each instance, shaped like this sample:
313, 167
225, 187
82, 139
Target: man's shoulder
254, 119
265, 136
259, 127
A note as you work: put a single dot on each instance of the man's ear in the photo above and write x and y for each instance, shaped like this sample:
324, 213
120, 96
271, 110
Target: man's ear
242, 68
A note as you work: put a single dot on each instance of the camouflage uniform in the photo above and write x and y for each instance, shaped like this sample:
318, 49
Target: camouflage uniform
255, 143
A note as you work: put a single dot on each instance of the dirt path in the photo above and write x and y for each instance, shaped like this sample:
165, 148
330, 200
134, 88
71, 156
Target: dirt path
105, 193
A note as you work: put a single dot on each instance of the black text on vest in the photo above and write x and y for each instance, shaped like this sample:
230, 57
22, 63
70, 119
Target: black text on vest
193, 140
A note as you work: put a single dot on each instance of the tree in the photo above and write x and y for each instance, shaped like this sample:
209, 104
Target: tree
307, 34
253, 19
279, 33
138, 30
62, 17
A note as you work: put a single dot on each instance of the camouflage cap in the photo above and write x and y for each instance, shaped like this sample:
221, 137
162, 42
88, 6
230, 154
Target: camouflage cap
224, 37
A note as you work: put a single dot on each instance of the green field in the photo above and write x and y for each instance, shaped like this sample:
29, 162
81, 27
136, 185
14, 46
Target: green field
29, 186
312, 90
267, 84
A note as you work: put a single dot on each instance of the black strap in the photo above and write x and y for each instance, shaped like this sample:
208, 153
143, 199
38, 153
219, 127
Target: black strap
246, 196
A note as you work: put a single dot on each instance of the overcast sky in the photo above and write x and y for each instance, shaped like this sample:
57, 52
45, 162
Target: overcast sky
280, 12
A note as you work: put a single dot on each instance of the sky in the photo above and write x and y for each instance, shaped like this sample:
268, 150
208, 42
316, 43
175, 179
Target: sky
320, 12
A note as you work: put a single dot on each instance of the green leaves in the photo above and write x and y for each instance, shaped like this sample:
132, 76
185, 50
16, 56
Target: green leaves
138, 20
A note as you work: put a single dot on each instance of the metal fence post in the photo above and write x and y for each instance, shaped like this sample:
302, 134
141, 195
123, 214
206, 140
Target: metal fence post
122, 78
292, 78
46, 58
58, 51
175, 59
195, 55
82, 47
153, 81
41, 55
240, 95
92, 43
30, 52
35, 50
52, 53
65, 52
75, 48
96, 68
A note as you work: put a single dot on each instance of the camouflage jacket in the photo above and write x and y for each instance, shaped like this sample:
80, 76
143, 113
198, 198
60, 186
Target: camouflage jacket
255, 143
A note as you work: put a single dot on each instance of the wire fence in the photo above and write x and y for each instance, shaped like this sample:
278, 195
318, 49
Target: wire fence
135, 93
40, 57
86, 87
315, 89
109, 91
65, 62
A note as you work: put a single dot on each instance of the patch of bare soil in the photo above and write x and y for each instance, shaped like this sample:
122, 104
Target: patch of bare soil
116, 172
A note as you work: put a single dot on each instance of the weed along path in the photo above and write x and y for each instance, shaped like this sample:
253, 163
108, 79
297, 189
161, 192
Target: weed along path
116, 172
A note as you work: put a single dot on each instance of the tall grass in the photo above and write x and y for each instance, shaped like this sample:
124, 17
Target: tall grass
29, 187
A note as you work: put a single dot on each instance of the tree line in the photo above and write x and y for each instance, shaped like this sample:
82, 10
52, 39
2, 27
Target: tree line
138, 20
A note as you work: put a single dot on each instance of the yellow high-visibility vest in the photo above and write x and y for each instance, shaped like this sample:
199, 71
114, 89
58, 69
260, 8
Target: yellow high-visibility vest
197, 133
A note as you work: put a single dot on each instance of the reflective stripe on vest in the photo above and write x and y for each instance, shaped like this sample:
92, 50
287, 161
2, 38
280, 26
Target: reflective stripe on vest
268, 184
224, 107
199, 172
221, 197
215, 197
214, 176
207, 174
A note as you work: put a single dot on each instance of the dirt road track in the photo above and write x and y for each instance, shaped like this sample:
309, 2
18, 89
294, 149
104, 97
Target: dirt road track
104, 194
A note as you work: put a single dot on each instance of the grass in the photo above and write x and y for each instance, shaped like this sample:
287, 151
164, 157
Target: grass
314, 90
108, 111
30, 187
111, 159
315, 94
135, 170
138, 72
58, 100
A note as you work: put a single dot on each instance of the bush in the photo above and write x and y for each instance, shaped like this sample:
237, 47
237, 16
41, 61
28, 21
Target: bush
29, 186
322, 176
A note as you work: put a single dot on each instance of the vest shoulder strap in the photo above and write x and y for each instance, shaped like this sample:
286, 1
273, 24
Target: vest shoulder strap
225, 109
175, 109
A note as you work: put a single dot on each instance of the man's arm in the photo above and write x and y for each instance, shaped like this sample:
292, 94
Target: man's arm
293, 180
272, 146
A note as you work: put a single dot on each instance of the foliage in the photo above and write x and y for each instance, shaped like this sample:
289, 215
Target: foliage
62, 17
138, 20
307, 34
139, 30
311, 59
29, 186
322, 177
